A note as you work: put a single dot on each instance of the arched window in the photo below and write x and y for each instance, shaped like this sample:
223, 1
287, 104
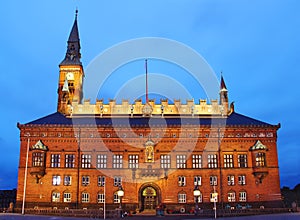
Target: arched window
242, 196
101, 197
67, 196
231, 196
117, 199
85, 197
181, 197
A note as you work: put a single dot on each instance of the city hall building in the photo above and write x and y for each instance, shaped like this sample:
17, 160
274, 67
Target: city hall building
82, 155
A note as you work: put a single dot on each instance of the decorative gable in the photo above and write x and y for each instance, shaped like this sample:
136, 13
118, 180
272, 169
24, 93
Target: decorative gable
39, 146
258, 146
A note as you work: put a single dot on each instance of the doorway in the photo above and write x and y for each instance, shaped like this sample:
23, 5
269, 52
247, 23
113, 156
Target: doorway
149, 197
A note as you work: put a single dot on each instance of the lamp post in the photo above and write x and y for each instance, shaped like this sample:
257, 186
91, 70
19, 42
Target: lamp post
120, 193
196, 193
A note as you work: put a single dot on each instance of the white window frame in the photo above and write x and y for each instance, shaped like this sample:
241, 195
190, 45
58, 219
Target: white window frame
197, 161
242, 179
181, 197
231, 197
165, 161
181, 181
67, 197
85, 180
197, 180
212, 161
86, 161
101, 181
117, 180
117, 161
56, 180
230, 180
101, 198
228, 160
243, 196
55, 196
85, 197
180, 161
101, 161
133, 161
213, 180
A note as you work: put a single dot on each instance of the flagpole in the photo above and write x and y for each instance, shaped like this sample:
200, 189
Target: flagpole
25, 176
104, 200
146, 66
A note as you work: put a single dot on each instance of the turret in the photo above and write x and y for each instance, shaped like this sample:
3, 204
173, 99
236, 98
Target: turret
223, 96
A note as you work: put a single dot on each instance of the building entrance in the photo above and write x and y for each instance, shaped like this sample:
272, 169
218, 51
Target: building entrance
149, 198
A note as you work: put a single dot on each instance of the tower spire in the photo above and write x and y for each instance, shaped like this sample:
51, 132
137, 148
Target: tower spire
73, 54
146, 67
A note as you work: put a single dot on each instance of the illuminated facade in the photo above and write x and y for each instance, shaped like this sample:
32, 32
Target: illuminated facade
80, 155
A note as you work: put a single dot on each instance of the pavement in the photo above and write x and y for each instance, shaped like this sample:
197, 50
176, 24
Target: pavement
285, 216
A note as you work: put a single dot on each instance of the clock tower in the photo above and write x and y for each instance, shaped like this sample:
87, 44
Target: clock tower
71, 73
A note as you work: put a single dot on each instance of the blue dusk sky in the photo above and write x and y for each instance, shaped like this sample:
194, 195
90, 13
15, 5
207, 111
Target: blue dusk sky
255, 43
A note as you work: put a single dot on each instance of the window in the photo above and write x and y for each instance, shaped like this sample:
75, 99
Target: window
67, 197
231, 197
67, 180
181, 181
243, 196
133, 161
86, 160
199, 198
116, 198
118, 161
101, 180
85, 197
70, 161
181, 161
85, 180
101, 161
242, 160
55, 197
56, 180
117, 181
197, 161
37, 159
197, 180
181, 198
213, 180
230, 180
260, 159
228, 160
212, 161
55, 160
242, 180
214, 197
101, 198
165, 161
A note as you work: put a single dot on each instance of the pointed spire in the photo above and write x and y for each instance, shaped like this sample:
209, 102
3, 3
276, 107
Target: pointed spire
222, 84
146, 67
73, 49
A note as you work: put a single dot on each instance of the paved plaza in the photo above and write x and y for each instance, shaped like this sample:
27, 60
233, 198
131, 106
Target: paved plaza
286, 216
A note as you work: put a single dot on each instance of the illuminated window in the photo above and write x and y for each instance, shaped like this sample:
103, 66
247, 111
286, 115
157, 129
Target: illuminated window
165, 161
86, 160
37, 159
181, 161
55, 197
101, 161
56, 180
260, 159
197, 161
67, 197
212, 161
181, 198
133, 161
231, 197
117, 199
117, 161
228, 160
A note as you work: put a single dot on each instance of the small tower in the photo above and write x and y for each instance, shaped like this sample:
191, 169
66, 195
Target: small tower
71, 73
223, 96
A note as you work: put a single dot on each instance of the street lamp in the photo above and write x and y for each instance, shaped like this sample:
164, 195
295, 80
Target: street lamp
197, 193
120, 194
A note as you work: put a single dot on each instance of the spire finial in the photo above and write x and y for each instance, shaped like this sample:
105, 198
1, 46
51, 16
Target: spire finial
76, 13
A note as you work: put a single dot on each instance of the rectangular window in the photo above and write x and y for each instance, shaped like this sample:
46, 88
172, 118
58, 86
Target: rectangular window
228, 161
100, 198
197, 161
230, 180
181, 161
231, 197
197, 180
86, 160
55, 197
181, 198
67, 197
260, 159
199, 198
213, 180
56, 180
70, 161
133, 161
214, 197
85, 180
181, 181
242, 160
55, 160
212, 161
243, 196
101, 161
101, 180
116, 198
67, 180
242, 180
85, 197
165, 161
117, 161
37, 159
117, 181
